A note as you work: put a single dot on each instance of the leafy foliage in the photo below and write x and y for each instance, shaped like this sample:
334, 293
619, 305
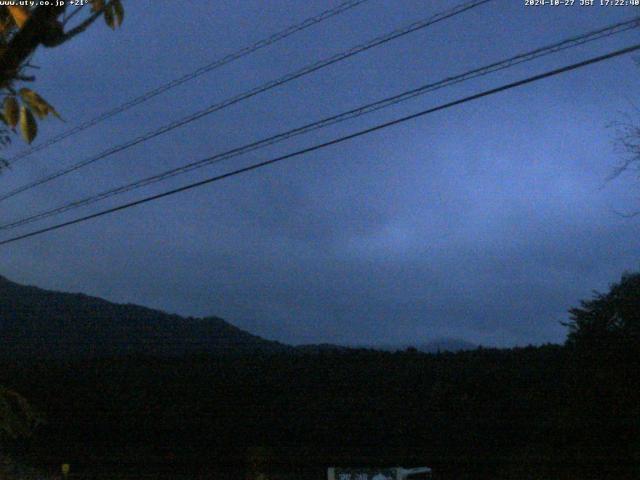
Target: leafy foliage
22, 30
17, 417
611, 319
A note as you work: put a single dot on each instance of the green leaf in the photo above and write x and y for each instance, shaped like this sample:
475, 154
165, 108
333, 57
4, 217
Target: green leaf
11, 111
118, 10
28, 124
37, 104
97, 5
109, 17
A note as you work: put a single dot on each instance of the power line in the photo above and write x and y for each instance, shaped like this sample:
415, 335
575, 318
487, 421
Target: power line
357, 112
251, 93
243, 52
335, 141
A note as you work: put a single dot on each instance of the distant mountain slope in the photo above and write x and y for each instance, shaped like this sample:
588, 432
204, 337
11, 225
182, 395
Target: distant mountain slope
435, 346
37, 322
446, 345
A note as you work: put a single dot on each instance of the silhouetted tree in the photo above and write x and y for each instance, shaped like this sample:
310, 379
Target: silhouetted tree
612, 318
627, 142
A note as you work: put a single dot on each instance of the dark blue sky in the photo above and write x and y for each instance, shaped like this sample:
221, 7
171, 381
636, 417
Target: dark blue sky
484, 222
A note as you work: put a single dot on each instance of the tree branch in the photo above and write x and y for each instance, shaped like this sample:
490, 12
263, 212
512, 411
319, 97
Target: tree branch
75, 12
65, 37
37, 30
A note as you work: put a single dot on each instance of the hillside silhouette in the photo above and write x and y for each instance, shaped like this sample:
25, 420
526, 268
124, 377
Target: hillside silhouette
44, 323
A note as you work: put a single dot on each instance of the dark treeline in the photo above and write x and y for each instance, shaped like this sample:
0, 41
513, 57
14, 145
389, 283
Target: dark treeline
565, 412
536, 412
